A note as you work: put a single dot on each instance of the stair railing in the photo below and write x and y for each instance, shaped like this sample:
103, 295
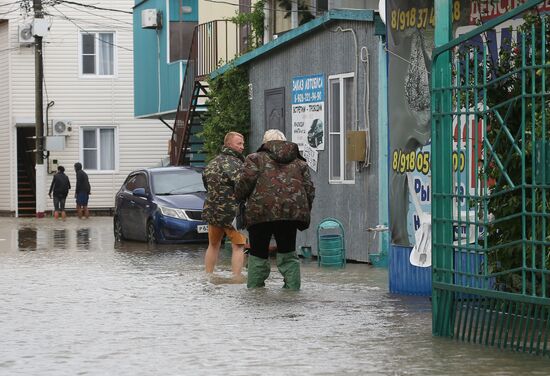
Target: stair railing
213, 44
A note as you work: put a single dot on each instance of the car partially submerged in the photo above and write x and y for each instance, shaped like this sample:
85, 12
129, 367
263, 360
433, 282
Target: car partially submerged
161, 205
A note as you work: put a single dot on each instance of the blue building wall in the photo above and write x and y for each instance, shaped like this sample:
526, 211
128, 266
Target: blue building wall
151, 49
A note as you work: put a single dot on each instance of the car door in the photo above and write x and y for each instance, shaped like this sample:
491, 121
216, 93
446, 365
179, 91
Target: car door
138, 209
124, 201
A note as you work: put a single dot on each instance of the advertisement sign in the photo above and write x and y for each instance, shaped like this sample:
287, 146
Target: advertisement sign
410, 25
308, 111
311, 156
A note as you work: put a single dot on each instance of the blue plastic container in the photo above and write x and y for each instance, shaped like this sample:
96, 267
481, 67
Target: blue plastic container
469, 270
405, 278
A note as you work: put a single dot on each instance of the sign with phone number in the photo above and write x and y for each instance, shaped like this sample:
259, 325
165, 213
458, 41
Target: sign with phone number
420, 18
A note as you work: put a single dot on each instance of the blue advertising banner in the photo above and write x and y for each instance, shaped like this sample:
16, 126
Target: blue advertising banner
308, 113
308, 89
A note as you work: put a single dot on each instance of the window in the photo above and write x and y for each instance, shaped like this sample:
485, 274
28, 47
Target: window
97, 150
97, 54
340, 121
136, 181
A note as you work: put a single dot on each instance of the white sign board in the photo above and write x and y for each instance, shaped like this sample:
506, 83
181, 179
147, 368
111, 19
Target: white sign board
308, 111
310, 155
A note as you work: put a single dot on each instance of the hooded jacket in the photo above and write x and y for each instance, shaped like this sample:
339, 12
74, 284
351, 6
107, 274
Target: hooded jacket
219, 179
276, 184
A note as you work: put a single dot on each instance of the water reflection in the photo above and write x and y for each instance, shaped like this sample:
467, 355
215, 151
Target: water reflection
83, 239
26, 239
343, 321
59, 238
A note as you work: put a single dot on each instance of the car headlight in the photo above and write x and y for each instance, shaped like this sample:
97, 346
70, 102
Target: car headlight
173, 212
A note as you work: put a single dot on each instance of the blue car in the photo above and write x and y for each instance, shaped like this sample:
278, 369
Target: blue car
161, 205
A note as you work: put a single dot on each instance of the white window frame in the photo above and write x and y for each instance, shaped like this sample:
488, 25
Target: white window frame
96, 39
343, 129
98, 143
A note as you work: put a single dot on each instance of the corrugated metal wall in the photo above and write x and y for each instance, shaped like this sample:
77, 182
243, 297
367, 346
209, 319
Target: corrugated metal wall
328, 52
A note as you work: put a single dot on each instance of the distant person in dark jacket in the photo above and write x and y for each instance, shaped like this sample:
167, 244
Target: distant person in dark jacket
277, 187
60, 189
82, 191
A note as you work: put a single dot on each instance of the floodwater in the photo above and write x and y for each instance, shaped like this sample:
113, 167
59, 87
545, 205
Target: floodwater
73, 303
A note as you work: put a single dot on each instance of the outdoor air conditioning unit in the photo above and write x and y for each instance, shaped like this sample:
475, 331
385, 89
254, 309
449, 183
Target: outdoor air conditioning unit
62, 128
151, 19
25, 33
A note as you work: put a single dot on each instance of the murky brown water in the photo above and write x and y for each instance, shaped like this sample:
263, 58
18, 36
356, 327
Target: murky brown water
71, 303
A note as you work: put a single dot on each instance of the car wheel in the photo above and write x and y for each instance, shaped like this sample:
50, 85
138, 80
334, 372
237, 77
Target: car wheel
117, 230
151, 234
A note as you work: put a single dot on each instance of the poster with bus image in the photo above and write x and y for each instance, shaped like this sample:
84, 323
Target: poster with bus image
308, 111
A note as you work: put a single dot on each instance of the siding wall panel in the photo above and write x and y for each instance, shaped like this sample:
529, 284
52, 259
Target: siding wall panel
6, 133
87, 101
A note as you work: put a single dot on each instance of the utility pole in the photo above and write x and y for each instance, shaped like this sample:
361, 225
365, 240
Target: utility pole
39, 167
38, 80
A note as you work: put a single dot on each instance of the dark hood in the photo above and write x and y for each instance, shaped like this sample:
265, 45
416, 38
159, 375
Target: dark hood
281, 151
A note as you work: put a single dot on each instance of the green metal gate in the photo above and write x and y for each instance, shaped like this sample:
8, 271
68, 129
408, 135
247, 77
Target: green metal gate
491, 184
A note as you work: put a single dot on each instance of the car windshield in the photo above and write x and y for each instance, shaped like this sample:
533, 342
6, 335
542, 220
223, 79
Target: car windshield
177, 182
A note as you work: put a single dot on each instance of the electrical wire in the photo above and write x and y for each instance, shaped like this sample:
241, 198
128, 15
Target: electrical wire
88, 22
9, 11
55, 2
15, 2
366, 99
98, 15
90, 33
252, 6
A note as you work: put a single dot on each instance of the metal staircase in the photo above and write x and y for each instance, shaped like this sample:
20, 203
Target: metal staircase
213, 44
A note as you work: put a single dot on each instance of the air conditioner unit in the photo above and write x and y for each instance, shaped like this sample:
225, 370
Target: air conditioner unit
62, 127
151, 19
25, 33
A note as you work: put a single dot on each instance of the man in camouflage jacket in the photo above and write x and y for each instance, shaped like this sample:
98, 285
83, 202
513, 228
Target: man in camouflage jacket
276, 184
220, 206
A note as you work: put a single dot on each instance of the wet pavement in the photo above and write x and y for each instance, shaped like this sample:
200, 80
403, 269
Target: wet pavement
74, 303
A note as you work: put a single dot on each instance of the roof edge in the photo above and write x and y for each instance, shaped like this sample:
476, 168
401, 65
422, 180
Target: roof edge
331, 15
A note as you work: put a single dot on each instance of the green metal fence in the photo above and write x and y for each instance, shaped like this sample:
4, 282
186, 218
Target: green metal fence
491, 184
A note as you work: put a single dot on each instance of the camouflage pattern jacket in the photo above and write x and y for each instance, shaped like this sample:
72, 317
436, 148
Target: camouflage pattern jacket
219, 179
276, 184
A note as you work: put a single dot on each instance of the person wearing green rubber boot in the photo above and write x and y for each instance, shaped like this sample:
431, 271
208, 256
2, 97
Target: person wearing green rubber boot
276, 184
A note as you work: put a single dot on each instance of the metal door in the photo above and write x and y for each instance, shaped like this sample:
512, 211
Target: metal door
275, 109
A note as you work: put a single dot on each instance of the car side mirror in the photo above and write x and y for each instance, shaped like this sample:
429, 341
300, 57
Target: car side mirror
140, 192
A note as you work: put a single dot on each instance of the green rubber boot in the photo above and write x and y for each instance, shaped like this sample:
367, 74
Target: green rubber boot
289, 266
258, 271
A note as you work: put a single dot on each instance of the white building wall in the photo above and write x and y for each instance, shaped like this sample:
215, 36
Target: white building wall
210, 11
88, 101
6, 135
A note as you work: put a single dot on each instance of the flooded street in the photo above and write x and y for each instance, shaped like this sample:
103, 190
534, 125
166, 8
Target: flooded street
73, 303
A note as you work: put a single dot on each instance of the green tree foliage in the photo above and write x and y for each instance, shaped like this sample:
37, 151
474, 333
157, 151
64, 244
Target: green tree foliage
517, 100
228, 109
304, 14
254, 21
